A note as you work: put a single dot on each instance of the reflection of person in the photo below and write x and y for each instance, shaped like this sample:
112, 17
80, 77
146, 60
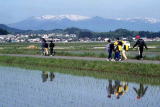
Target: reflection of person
125, 87
110, 89
51, 76
44, 76
117, 88
141, 91
141, 44
119, 91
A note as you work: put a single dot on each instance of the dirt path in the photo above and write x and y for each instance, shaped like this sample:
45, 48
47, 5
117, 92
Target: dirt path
83, 58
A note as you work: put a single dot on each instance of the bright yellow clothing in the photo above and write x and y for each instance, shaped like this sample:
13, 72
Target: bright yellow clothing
120, 89
126, 88
116, 43
125, 46
119, 45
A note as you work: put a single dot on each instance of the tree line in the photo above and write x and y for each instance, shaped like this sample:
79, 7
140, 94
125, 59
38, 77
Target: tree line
3, 32
82, 33
113, 34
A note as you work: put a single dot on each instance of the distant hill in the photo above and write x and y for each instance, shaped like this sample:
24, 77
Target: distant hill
84, 32
3, 32
9, 29
18, 31
96, 24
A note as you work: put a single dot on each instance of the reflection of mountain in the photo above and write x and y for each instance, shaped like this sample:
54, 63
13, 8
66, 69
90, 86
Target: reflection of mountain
83, 22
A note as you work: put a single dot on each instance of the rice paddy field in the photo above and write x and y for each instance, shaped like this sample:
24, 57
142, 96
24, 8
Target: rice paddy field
93, 49
41, 82
44, 87
144, 73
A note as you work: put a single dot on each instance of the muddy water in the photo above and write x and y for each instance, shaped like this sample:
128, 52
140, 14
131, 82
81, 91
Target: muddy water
29, 88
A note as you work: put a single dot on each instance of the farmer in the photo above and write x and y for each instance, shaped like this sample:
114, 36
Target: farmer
141, 44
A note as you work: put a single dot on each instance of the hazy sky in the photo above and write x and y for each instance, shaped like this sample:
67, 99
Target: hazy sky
17, 10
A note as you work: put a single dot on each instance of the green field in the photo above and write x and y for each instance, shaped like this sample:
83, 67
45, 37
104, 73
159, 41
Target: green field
144, 73
95, 49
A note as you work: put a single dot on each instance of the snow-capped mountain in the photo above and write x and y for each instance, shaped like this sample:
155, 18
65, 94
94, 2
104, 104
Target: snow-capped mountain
61, 17
146, 19
97, 24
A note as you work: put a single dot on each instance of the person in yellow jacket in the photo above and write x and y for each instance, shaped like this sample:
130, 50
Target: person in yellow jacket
124, 49
118, 49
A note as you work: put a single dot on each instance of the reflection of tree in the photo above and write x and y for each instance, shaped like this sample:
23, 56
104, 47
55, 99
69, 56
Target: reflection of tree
45, 76
141, 91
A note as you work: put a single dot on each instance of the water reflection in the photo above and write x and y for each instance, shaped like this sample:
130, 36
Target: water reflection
45, 76
52, 76
110, 89
18, 90
118, 88
140, 91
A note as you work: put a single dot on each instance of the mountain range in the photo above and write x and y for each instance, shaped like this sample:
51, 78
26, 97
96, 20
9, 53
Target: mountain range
18, 31
9, 29
96, 24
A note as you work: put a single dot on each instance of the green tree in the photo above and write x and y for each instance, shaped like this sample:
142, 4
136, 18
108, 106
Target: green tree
3, 32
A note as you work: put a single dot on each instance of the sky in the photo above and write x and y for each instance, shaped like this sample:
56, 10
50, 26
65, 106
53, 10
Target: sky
17, 10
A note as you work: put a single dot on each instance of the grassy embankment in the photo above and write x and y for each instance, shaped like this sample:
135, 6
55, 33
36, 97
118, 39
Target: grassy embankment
143, 73
75, 49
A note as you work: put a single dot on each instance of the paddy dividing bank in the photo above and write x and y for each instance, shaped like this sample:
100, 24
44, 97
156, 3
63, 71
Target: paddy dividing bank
143, 73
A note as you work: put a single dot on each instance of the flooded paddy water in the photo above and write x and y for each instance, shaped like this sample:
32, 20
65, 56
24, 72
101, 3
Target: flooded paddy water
33, 88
